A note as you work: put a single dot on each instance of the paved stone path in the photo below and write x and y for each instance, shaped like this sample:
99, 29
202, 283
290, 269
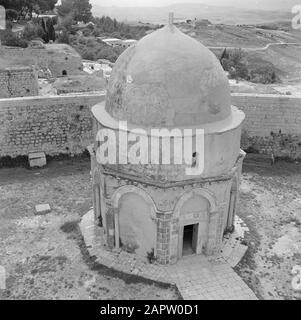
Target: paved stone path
197, 277
200, 278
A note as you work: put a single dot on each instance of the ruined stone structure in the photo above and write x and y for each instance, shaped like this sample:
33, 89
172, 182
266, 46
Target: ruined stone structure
18, 82
159, 210
60, 59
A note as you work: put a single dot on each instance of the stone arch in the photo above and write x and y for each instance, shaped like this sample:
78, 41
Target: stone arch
191, 193
135, 220
200, 222
129, 188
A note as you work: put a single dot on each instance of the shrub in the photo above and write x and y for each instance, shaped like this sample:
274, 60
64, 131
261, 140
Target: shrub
8, 38
33, 31
63, 37
241, 66
263, 74
11, 14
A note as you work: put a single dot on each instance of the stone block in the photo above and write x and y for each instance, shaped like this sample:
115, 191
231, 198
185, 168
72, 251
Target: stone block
37, 159
42, 209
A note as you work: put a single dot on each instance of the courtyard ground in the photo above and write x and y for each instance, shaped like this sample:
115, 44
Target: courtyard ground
44, 257
270, 205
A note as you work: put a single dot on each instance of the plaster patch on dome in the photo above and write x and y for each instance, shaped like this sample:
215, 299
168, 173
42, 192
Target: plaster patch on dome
129, 79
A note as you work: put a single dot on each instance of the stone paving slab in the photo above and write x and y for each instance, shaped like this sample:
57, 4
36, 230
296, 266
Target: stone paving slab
197, 277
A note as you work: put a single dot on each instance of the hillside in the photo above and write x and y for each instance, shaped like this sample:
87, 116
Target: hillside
263, 45
216, 14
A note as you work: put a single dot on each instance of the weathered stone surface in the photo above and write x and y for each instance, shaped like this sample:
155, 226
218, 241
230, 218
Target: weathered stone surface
43, 123
42, 209
37, 159
168, 79
54, 125
18, 82
57, 57
272, 124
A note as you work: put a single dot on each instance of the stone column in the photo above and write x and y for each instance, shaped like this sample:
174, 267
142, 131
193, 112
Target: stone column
116, 224
110, 226
174, 240
163, 236
96, 204
214, 232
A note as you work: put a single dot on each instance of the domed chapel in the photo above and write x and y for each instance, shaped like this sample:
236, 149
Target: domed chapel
159, 206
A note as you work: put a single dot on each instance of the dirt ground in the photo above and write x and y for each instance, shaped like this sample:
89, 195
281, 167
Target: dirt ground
270, 205
44, 257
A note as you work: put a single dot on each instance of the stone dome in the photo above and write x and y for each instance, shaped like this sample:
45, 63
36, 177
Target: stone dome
168, 79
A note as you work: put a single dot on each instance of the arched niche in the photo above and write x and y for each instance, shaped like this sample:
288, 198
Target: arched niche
192, 193
135, 225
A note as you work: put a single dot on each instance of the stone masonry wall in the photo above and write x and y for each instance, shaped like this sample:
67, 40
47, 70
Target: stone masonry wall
272, 124
54, 125
63, 124
18, 82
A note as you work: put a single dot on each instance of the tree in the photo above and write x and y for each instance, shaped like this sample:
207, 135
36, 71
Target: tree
33, 31
11, 14
80, 9
27, 7
66, 8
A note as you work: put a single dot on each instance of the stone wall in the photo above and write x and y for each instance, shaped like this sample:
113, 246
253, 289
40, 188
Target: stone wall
272, 125
63, 124
54, 125
18, 82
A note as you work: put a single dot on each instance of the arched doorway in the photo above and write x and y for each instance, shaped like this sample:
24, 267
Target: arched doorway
194, 224
199, 213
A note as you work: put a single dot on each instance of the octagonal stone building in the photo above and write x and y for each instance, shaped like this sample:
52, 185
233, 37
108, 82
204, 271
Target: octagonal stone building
160, 207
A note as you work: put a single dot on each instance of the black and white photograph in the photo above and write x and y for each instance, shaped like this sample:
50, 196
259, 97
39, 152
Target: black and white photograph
150, 150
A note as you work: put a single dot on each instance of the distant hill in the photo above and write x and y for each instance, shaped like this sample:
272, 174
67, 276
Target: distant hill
216, 14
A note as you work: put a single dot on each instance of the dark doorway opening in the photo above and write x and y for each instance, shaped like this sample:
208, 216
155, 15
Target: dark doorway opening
189, 239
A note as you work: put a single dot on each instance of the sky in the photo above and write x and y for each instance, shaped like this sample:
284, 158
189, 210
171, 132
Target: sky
254, 4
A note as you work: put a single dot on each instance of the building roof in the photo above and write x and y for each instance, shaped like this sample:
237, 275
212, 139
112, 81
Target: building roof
129, 41
168, 79
111, 39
